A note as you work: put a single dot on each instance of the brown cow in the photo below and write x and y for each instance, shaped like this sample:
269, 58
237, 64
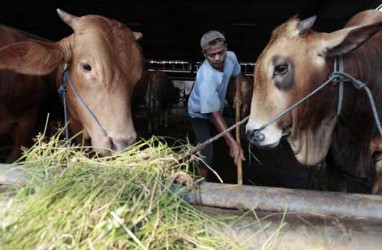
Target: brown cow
246, 98
139, 93
102, 63
246, 94
21, 97
295, 62
160, 96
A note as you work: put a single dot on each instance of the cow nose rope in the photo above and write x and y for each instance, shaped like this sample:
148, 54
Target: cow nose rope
276, 117
338, 75
63, 91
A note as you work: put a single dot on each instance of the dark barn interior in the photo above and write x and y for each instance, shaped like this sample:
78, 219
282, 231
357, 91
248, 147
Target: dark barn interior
172, 29
171, 35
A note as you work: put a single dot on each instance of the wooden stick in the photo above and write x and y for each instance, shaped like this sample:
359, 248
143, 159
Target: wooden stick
245, 197
239, 163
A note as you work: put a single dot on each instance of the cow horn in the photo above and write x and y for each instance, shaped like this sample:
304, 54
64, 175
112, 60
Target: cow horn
137, 35
67, 18
306, 24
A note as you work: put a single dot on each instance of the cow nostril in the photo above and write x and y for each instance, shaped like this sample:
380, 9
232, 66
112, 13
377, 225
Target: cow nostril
258, 136
121, 143
118, 144
131, 139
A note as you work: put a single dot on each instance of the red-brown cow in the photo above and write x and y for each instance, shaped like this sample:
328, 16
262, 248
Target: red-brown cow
140, 89
246, 94
101, 63
160, 96
246, 98
295, 62
21, 97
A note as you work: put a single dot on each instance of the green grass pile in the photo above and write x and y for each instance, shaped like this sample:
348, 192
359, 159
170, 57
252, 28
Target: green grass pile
125, 201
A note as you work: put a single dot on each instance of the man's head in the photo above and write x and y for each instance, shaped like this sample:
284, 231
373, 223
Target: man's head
214, 48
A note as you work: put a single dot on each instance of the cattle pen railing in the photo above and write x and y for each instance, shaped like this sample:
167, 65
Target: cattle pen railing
188, 67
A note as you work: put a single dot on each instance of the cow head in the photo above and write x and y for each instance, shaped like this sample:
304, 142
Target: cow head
104, 61
295, 62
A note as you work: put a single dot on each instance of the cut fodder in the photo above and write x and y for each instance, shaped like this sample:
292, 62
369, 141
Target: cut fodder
125, 201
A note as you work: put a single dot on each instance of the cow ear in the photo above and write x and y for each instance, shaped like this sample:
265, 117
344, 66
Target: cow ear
305, 25
346, 40
31, 57
137, 35
67, 18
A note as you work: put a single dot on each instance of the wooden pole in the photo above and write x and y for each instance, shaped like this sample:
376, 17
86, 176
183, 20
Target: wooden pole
340, 205
239, 162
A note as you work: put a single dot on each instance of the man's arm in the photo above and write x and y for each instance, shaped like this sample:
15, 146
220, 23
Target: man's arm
235, 150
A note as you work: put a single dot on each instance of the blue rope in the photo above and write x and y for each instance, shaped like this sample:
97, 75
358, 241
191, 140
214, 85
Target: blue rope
63, 90
361, 85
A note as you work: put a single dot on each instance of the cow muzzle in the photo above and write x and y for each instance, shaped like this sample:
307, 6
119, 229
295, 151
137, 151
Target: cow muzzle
255, 136
269, 137
121, 143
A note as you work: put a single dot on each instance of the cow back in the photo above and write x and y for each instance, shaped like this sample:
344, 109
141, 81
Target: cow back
21, 100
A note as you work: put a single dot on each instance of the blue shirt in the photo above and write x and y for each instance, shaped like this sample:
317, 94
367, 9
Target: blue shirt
210, 87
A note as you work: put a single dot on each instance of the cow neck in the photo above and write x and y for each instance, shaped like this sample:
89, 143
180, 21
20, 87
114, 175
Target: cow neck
63, 91
358, 84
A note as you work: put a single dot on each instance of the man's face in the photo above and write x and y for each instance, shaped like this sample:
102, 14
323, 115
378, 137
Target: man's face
216, 55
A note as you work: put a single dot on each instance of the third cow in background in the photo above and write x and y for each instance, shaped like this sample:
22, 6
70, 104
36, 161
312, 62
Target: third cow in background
161, 94
246, 94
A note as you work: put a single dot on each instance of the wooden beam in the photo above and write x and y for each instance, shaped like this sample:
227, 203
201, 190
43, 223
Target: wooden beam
350, 205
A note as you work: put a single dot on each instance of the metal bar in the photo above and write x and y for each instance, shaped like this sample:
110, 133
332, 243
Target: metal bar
353, 206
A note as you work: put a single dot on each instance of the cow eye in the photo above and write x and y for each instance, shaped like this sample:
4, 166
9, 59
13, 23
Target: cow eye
86, 67
281, 69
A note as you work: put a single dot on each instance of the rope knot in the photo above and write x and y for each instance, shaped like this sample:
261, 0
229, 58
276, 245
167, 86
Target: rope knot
61, 90
336, 77
358, 84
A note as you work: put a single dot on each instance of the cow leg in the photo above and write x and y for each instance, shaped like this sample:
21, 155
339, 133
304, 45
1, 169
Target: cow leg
318, 177
336, 178
160, 118
376, 152
23, 134
150, 114
157, 115
166, 110
377, 187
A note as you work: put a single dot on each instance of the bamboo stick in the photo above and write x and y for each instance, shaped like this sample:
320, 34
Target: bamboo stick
239, 162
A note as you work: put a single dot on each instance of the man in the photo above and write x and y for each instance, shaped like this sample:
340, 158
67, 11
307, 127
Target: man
207, 98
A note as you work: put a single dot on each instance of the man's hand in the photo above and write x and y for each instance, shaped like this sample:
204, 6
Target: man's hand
236, 152
237, 101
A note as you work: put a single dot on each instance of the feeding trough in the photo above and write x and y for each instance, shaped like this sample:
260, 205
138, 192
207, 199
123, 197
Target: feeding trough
288, 207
